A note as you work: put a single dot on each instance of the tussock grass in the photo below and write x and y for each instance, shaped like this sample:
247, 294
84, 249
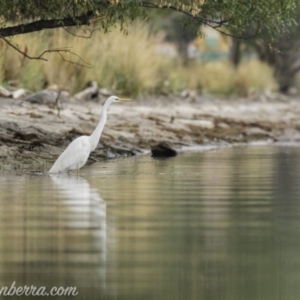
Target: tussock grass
221, 78
217, 77
127, 64
254, 76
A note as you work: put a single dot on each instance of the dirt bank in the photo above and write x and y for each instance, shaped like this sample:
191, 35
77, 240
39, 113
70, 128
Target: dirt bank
32, 135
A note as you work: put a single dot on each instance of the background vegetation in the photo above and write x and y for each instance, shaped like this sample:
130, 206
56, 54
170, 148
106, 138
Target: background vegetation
127, 64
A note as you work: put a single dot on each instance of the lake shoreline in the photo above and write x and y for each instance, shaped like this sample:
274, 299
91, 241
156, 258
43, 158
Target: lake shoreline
34, 134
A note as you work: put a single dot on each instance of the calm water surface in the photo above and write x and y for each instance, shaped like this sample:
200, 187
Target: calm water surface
223, 224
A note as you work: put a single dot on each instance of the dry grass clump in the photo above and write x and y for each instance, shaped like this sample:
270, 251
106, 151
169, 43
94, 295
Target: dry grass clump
218, 77
211, 77
127, 64
221, 78
254, 76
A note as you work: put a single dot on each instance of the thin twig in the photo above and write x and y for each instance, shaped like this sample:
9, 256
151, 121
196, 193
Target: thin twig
52, 50
99, 18
82, 36
239, 37
57, 103
74, 62
79, 36
20, 51
93, 20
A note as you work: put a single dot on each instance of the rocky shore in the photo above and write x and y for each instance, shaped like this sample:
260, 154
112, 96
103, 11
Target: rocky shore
34, 133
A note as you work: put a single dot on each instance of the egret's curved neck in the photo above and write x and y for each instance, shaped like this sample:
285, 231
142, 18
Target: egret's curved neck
95, 136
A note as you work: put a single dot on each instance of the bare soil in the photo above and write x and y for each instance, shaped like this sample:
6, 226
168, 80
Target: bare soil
32, 135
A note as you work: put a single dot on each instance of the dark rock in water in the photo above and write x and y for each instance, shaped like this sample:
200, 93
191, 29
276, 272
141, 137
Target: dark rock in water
163, 149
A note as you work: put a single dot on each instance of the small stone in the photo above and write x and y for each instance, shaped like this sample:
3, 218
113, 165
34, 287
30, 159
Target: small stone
256, 131
223, 125
207, 124
105, 92
91, 92
18, 93
47, 96
4, 151
163, 149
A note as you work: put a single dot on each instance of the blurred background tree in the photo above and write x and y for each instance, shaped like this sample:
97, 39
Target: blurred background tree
282, 54
178, 28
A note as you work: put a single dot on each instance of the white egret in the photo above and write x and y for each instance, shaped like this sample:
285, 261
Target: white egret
78, 152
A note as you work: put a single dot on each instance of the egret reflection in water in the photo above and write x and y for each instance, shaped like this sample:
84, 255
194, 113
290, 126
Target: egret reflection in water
85, 210
79, 197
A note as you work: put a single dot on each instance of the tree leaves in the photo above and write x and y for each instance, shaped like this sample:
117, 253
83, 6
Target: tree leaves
236, 15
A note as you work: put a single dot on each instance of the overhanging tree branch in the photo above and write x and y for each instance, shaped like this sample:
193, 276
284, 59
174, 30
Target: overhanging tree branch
215, 24
173, 8
39, 25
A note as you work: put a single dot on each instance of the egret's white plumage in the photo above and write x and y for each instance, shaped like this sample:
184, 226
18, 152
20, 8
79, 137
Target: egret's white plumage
77, 153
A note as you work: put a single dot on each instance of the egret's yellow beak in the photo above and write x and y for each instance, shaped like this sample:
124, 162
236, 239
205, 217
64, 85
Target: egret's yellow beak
124, 100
